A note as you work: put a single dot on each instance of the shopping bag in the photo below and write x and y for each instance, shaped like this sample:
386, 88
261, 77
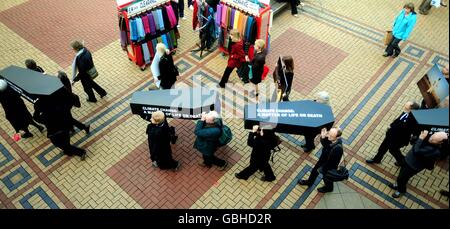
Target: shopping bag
265, 72
93, 72
388, 38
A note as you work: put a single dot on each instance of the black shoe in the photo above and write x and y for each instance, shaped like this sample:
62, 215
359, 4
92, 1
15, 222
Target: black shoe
239, 177
223, 167
87, 129
324, 190
263, 178
398, 164
372, 161
308, 150
101, 96
221, 86
393, 186
91, 101
304, 182
27, 135
385, 54
41, 129
178, 166
444, 193
397, 194
83, 156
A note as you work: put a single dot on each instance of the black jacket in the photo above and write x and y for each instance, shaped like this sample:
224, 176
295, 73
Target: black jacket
84, 63
423, 155
331, 154
400, 131
168, 71
159, 144
262, 147
257, 63
15, 110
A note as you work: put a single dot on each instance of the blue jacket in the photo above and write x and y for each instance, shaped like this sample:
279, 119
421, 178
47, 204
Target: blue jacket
403, 26
207, 137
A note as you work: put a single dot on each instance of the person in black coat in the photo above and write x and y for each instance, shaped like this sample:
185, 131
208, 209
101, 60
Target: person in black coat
262, 142
83, 63
257, 64
329, 159
74, 101
423, 155
324, 98
31, 64
397, 136
52, 112
15, 111
286, 83
168, 71
159, 138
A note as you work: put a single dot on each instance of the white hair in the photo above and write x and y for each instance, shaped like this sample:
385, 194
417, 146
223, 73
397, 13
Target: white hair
324, 97
3, 85
214, 114
161, 48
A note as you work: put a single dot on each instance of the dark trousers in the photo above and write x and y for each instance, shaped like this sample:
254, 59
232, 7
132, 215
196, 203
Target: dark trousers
406, 172
62, 141
314, 173
78, 124
393, 48
394, 150
252, 168
89, 86
210, 160
226, 76
189, 3
293, 4
181, 8
309, 140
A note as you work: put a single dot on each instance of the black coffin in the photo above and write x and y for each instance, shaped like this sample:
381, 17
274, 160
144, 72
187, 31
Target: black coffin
30, 84
182, 103
297, 117
433, 120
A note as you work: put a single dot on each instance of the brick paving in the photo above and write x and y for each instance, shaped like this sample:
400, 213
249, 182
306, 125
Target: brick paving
337, 48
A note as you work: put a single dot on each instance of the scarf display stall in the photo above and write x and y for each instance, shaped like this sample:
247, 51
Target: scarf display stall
252, 18
143, 24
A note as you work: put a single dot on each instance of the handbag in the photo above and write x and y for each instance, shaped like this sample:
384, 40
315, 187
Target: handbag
250, 72
265, 72
339, 174
92, 72
388, 37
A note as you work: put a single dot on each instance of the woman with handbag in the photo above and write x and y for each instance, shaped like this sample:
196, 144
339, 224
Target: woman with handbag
257, 65
237, 56
288, 77
401, 30
329, 159
84, 65
72, 101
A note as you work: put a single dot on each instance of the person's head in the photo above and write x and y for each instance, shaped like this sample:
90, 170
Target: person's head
289, 63
62, 75
30, 64
334, 133
235, 35
210, 118
323, 97
267, 132
157, 117
77, 45
3, 85
445, 71
411, 105
438, 138
260, 45
161, 49
409, 7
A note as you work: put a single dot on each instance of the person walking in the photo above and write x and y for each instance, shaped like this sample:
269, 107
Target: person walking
257, 64
401, 30
159, 139
168, 72
16, 112
262, 142
208, 131
329, 159
423, 155
289, 77
31, 64
324, 98
82, 64
73, 100
236, 56
161, 50
397, 136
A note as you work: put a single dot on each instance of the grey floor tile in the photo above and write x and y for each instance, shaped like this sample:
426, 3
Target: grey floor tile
334, 201
352, 201
344, 188
321, 204
368, 204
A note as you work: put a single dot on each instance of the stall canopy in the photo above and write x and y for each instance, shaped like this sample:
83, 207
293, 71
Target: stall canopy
297, 117
182, 103
30, 84
433, 120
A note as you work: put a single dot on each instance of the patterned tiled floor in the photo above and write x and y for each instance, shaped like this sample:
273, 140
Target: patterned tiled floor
337, 49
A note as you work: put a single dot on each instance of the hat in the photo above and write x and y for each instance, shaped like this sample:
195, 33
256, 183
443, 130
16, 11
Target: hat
3, 85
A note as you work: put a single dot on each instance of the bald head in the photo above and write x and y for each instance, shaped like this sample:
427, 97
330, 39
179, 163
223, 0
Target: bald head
334, 134
438, 138
3, 85
445, 71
